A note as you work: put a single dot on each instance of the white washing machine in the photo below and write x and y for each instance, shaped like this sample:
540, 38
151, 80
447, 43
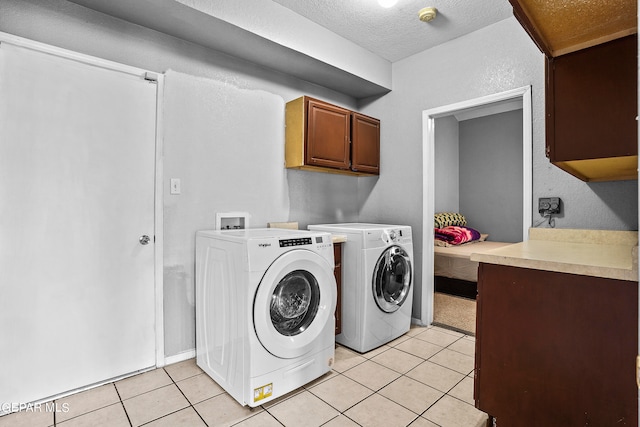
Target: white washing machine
265, 301
377, 277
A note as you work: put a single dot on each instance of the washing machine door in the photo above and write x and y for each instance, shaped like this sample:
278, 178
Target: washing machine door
392, 279
294, 303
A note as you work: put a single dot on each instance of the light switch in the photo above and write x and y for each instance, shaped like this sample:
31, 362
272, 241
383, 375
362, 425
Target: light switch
175, 186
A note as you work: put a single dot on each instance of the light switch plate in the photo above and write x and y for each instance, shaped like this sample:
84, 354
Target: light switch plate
175, 186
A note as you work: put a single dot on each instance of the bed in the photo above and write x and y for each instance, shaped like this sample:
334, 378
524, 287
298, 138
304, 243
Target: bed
454, 272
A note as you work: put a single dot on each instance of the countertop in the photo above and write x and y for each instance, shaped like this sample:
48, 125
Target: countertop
338, 238
598, 253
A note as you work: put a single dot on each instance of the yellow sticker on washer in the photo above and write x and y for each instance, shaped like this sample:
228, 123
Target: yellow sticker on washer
262, 392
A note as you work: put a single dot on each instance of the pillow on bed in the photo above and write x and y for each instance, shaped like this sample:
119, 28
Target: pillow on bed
445, 219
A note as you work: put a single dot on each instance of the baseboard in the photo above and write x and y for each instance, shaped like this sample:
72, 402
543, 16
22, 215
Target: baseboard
418, 322
185, 355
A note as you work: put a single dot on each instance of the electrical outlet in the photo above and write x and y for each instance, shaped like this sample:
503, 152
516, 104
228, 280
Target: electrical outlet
549, 205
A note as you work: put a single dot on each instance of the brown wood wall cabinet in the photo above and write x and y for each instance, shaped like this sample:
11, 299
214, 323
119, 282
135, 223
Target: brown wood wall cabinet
591, 108
337, 271
591, 84
555, 349
326, 138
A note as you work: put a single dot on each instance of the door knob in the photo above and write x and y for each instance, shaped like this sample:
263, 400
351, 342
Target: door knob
144, 239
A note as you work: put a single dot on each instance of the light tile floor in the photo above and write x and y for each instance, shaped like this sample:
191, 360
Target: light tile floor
422, 379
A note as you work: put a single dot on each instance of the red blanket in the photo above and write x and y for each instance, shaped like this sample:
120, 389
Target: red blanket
456, 235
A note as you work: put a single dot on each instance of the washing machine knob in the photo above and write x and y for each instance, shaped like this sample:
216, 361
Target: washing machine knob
393, 235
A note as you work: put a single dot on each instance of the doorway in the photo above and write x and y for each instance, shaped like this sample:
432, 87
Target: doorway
499, 103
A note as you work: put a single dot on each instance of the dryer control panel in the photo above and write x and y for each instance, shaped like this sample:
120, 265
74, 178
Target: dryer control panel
264, 249
285, 243
387, 236
393, 235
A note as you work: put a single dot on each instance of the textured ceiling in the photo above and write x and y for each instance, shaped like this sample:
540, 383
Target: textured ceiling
397, 33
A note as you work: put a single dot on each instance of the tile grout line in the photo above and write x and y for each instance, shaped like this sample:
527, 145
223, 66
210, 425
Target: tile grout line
456, 384
341, 413
362, 358
57, 423
123, 407
173, 382
360, 401
435, 363
184, 395
418, 415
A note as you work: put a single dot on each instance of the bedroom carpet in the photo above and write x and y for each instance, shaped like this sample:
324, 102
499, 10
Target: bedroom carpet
455, 313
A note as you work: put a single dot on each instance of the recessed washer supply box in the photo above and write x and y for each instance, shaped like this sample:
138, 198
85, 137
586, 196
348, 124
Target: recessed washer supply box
232, 221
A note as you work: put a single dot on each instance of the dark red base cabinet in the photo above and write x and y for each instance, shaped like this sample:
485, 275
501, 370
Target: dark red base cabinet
555, 349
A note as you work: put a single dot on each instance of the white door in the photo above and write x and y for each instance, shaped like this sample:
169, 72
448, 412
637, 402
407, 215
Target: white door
77, 174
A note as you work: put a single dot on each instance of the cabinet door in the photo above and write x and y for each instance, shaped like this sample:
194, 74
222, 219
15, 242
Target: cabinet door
592, 102
555, 349
328, 131
365, 145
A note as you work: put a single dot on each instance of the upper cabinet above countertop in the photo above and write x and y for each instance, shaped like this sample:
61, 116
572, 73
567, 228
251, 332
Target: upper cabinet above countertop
591, 84
323, 137
561, 27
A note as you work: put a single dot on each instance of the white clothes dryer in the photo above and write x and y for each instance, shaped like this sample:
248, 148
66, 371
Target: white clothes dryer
377, 277
265, 301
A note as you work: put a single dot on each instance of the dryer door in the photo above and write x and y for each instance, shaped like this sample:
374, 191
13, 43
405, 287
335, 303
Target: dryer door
392, 279
294, 303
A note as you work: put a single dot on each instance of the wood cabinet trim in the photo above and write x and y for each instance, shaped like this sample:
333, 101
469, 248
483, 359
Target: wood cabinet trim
530, 27
559, 28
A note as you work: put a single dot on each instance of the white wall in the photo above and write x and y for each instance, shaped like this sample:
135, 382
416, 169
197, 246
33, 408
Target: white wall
491, 175
285, 27
447, 165
495, 59
224, 138
478, 172
223, 143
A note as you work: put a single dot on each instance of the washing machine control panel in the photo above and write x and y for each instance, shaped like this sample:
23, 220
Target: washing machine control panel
392, 236
285, 243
